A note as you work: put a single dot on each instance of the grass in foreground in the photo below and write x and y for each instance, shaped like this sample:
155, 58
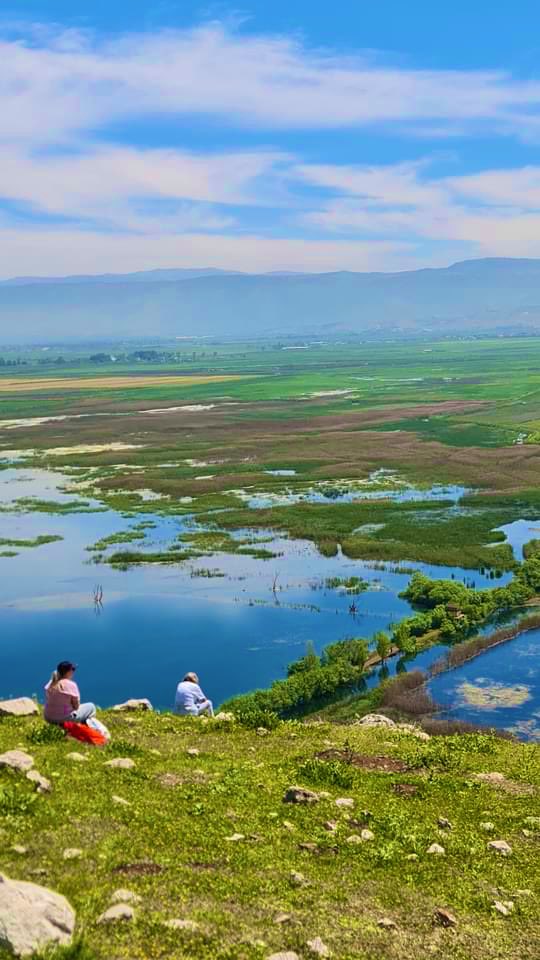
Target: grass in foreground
170, 844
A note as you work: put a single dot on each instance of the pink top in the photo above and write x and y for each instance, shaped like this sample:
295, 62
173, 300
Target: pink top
58, 705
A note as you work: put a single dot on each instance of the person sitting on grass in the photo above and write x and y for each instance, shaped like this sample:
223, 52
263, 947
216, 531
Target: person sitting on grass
62, 697
190, 701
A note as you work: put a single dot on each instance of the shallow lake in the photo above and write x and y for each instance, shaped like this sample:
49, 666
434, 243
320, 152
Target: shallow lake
157, 622
501, 688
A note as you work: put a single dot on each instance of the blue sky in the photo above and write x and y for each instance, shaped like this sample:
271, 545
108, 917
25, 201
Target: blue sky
267, 136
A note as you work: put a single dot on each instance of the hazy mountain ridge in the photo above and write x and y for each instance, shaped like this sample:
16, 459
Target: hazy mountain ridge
472, 296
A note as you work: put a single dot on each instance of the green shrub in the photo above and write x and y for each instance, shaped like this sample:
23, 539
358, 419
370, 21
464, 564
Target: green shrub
46, 733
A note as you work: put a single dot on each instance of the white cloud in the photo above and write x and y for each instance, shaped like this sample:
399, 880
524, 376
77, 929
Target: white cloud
133, 207
54, 87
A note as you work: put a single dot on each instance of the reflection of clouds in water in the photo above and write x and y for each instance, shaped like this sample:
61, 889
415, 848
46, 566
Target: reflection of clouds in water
494, 695
61, 601
531, 650
526, 728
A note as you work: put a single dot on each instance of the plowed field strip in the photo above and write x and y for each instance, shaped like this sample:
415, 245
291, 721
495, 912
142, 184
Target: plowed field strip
109, 383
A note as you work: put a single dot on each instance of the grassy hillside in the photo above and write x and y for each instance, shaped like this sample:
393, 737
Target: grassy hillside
172, 841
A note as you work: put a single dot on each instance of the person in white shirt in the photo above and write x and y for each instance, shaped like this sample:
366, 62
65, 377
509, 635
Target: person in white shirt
190, 701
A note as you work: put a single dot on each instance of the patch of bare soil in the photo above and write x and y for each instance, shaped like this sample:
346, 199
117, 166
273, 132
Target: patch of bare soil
499, 782
405, 789
377, 764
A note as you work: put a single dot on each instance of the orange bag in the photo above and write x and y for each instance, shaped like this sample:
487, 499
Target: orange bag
83, 733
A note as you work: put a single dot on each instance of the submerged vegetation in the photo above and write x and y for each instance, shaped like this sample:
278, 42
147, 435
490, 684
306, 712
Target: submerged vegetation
36, 542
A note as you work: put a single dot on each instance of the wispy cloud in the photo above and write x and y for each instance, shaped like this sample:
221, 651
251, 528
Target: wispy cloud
104, 197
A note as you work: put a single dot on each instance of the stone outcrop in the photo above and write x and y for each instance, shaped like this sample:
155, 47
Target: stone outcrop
17, 760
32, 917
18, 707
130, 705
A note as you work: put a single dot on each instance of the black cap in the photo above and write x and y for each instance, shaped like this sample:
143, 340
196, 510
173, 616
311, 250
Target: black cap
66, 665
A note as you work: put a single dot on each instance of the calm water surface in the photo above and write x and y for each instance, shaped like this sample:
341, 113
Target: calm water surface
157, 622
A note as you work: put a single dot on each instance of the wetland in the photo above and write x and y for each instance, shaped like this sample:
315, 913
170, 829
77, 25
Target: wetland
231, 533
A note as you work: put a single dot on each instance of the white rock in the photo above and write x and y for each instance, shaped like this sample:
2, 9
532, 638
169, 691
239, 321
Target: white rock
120, 763
487, 826
504, 907
375, 720
17, 760
436, 849
125, 896
143, 704
367, 835
120, 801
345, 803
297, 879
76, 757
354, 838
18, 848
120, 911
193, 752
32, 917
18, 707
176, 924
42, 784
385, 923
330, 825
72, 853
317, 948
236, 837
500, 846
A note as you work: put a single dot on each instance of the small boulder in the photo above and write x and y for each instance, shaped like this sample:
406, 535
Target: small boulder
385, 923
119, 912
134, 704
120, 801
487, 826
436, 850
366, 835
317, 948
300, 795
354, 838
501, 847
504, 907
193, 752
297, 879
72, 853
176, 924
76, 757
17, 760
125, 896
330, 825
375, 720
236, 837
18, 707
444, 918
444, 824
31, 917
18, 848
282, 918
41, 783
120, 763
345, 803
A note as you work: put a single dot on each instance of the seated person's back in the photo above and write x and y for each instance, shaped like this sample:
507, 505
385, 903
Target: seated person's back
189, 699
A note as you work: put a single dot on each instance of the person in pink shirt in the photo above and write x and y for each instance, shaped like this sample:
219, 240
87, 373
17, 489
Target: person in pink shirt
62, 697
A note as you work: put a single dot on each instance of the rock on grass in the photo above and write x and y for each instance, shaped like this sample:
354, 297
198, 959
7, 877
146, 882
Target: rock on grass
32, 917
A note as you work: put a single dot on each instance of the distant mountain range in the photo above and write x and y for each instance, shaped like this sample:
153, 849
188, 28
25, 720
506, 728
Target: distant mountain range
490, 296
